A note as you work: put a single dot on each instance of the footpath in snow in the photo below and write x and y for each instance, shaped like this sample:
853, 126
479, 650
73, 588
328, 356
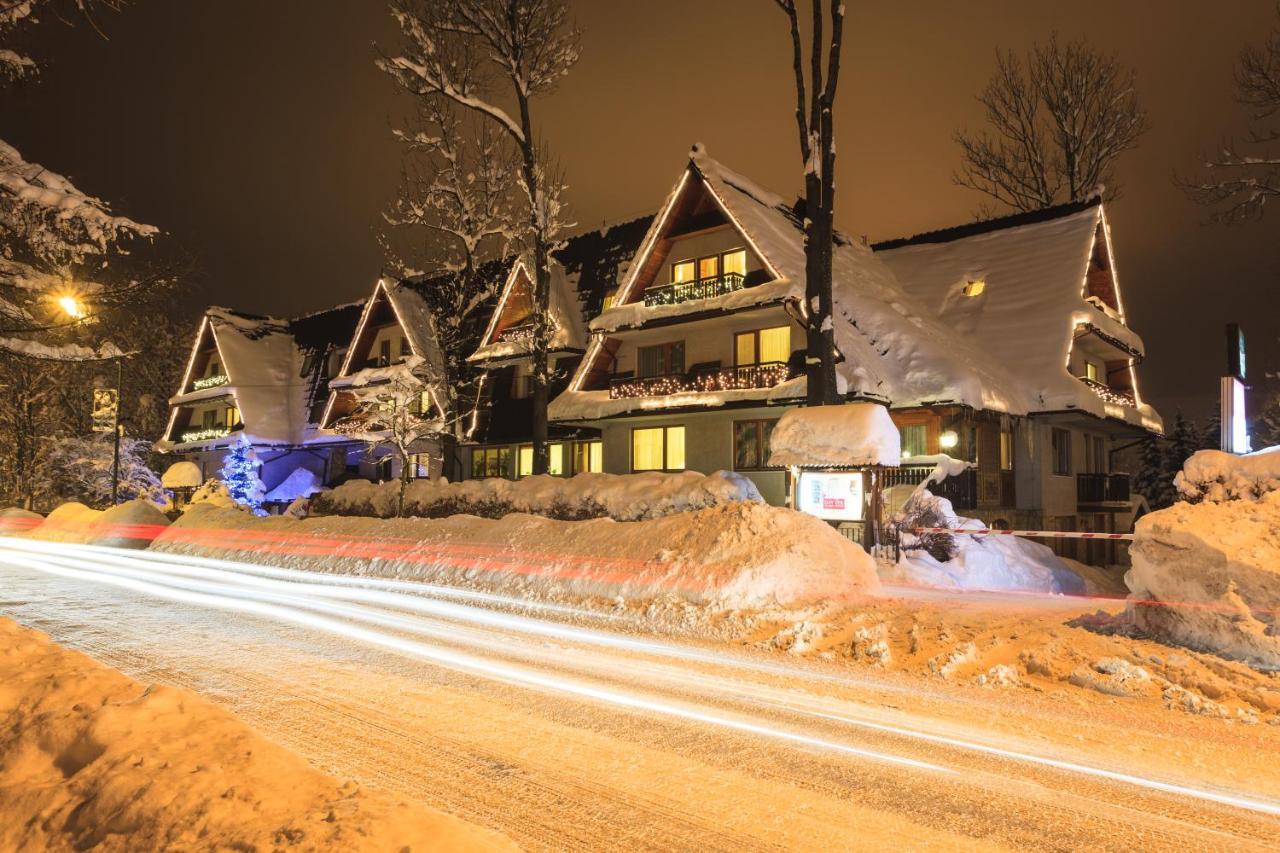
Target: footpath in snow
91, 759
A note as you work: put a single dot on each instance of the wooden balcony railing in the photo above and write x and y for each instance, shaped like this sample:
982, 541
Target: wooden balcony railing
1096, 489
684, 291
522, 332
1115, 396
745, 377
209, 382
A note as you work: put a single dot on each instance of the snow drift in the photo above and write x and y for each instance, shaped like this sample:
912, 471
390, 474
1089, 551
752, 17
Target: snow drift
1207, 575
740, 555
1212, 475
836, 436
91, 759
622, 497
129, 525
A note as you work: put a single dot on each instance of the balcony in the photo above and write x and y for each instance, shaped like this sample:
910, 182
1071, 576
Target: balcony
515, 334
209, 382
746, 377
684, 291
1102, 489
204, 434
1115, 396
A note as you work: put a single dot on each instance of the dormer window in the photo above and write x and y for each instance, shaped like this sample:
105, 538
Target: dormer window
710, 267
975, 287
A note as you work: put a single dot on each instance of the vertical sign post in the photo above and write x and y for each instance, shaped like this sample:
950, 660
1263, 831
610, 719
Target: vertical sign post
1234, 427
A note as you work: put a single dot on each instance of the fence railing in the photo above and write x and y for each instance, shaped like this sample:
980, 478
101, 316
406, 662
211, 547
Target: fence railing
703, 288
744, 377
522, 332
1109, 394
1103, 488
961, 489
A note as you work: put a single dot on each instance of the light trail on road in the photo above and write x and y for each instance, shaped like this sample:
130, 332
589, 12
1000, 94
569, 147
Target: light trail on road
688, 685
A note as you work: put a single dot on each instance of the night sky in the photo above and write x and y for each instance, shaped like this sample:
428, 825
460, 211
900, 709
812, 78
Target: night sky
257, 135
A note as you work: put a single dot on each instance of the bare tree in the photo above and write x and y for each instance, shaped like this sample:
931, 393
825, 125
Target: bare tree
457, 195
1058, 121
818, 152
1246, 175
465, 51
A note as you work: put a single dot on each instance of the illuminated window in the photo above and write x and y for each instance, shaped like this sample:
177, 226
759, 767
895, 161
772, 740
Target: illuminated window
1006, 450
762, 346
751, 444
588, 457
975, 287
734, 262
610, 299
657, 449
525, 463
233, 416
419, 466
423, 403
555, 460
661, 360
1091, 372
915, 440
681, 272
709, 267
490, 462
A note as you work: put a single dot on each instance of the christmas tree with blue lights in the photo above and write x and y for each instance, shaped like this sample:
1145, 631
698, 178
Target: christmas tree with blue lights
239, 473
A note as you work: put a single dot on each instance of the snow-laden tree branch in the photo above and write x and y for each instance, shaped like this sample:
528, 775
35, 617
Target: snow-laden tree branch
1058, 122
472, 53
818, 153
1245, 176
17, 14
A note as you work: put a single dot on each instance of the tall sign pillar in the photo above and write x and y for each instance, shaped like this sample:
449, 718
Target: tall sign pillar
1235, 429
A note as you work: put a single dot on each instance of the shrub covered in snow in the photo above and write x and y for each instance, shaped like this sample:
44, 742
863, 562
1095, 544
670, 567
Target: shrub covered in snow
1212, 475
622, 497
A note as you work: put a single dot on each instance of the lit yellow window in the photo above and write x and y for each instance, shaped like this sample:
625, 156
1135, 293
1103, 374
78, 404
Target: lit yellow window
682, 271
735, 262
1006, 450
745, 348
646, 449
975, 287
588, 457
675, 448
775, 344
233, 416
596, 457
1091, 371
610, 299
556, 463
525, 467
709, 267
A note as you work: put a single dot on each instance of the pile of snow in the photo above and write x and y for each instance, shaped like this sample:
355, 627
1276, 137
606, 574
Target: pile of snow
1207, 575
129, 525
214, 492
740, 555
15, 520
301, 483
1212, 475
836, 437
91, 759
182, 475
621, 497
984, 562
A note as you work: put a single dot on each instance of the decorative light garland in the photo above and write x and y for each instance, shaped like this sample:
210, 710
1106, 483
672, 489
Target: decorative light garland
1109, 394
205, 434
744, 378
516, 334
686, 291
210, 382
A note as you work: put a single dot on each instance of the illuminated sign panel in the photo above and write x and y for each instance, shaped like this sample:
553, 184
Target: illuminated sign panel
1235, 429
833, 497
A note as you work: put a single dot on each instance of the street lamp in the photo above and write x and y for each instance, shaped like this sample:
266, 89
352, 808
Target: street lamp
73, 308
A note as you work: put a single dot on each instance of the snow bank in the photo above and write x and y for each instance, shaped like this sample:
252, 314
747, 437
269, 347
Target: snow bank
15, 520
129, 525
740, 555
182, 475
301, 483
90, 758
836, 437
977, 562
622, 497
1207, 575
1212, 475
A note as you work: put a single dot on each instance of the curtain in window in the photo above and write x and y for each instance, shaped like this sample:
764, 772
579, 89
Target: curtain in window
775, 344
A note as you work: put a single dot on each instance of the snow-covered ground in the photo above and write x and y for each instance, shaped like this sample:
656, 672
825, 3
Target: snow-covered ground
92, 759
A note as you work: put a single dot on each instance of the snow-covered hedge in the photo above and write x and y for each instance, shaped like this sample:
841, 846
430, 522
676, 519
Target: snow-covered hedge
740, 555
622, 497
1206, 571
1212, 475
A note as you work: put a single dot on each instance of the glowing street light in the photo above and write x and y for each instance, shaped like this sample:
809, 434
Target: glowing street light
71, 306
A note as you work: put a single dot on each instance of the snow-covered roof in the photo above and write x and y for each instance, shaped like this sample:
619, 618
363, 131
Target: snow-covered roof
1033, 268
845, 436
893, 348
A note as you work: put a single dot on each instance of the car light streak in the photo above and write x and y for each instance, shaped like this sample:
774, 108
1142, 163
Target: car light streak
469, 664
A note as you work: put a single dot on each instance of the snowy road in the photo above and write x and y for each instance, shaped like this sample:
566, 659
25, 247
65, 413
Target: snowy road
565, 731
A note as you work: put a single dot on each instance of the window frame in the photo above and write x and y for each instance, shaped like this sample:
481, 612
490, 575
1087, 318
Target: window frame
1007, 449
755, 345
498, 452
697, 260
761, 441
666, 449
665, 348
924, 440
1056, 455
585, 450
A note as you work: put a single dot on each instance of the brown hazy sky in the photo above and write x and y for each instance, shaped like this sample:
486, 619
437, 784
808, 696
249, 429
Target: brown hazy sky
256, 133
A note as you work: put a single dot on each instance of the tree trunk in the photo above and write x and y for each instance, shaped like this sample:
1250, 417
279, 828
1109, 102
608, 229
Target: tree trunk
541, 293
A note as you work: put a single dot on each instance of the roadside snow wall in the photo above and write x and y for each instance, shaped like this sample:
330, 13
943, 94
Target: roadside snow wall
129, 525
741, 555
1207, 575
622, 497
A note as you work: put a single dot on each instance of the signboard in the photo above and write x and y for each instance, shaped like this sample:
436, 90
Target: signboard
1235, 430
1235, 351
105, 403
832, 496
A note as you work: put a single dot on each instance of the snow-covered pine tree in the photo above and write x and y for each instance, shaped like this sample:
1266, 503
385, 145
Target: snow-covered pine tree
239, 473
818, 152
396, 408
1153, 480
466, 51
80, 469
